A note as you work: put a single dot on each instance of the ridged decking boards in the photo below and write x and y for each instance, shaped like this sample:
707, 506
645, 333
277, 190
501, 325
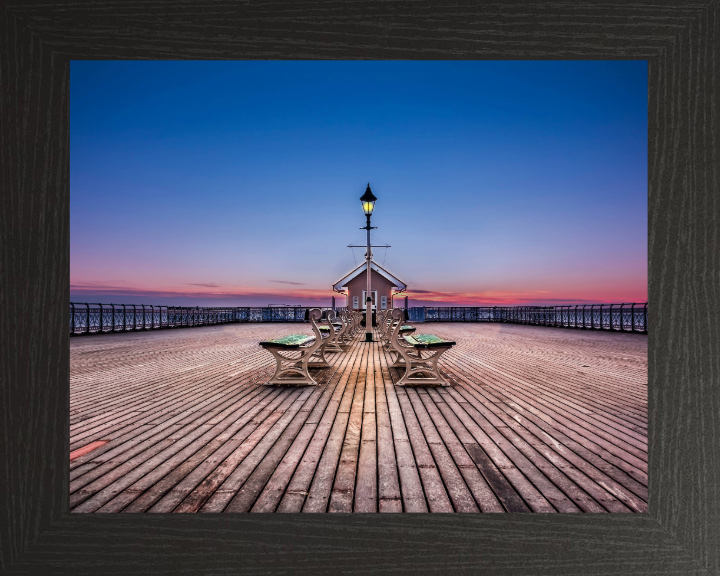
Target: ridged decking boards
537, 420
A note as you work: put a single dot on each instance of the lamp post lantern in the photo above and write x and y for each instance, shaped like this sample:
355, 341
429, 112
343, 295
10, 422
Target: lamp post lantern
368, 203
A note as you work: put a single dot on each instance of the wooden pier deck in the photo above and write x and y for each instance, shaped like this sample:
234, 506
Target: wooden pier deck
537, 420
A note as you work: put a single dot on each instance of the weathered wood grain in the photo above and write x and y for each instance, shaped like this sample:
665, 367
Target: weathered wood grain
520, 430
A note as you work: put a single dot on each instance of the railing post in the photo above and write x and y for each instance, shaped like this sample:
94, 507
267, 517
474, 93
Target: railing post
101, 318
622, 328
592, 316
632, 317
645, 318
72, 318
610, 318
113, 316
87, 327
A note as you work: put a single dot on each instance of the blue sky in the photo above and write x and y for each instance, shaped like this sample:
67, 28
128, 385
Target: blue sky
238, 183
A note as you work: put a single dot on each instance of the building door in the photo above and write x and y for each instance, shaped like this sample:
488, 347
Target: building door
374, 300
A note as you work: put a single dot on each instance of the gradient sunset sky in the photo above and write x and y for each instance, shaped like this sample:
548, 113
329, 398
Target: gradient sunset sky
238, 183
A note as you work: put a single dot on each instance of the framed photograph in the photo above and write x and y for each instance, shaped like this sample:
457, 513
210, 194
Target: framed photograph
650, 457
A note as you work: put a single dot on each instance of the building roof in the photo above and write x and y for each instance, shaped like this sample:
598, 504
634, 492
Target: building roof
342, 283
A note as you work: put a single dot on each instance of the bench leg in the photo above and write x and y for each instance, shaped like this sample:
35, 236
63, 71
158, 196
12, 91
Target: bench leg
334, 344
429, 365
293, 369
403, 352
320, 353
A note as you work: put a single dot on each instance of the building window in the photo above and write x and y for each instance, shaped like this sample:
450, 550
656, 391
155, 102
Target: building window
373, 295
383, 302
356, 304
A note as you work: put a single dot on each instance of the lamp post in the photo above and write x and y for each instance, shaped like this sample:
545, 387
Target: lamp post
368, 203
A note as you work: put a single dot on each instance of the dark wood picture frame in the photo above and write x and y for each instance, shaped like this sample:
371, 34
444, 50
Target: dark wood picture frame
680, 535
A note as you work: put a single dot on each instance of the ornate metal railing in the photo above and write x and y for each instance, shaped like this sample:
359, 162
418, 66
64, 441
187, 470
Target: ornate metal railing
623, 317
99, 318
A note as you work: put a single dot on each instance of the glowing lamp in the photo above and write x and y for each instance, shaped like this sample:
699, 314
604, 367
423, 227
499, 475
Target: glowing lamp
368, 201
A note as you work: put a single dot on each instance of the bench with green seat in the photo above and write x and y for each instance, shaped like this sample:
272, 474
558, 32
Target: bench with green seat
291, 342
387, 324
333, 331
345, 317
410, 349
306, 345
425, 341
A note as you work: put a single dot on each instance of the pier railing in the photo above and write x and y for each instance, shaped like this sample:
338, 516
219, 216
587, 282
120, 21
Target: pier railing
100, 318
624, 317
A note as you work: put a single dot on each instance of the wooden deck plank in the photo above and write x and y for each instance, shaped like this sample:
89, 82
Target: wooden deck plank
343, 487
267, 464
158, 453
336, 457
389, 497
298, 490
537, 419
603, 495
453, 438
205, 399
570, 381
140, 438
278, 483
411, 488
216, 490
433, 486
565, 473
166, 476
366, 488
518, 400
524, 389
460, 496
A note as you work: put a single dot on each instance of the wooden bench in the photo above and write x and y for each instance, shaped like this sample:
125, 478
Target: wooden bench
333, 331
352, 318
386, 323
418, 354
296, 351
346, 319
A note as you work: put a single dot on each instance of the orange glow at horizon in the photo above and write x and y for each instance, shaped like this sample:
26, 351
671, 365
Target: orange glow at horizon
429, 297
